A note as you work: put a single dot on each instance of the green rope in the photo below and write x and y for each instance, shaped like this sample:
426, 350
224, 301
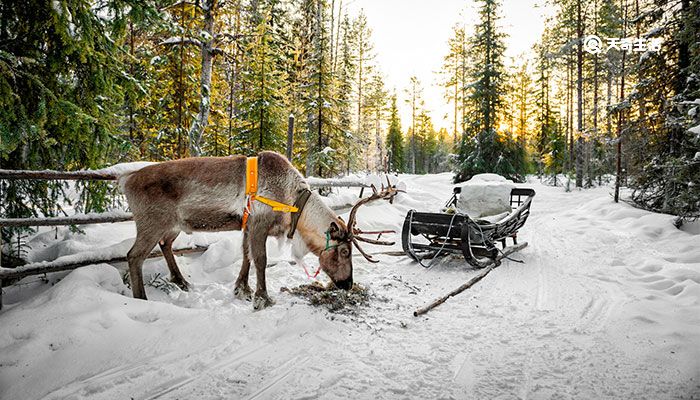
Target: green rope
328, 240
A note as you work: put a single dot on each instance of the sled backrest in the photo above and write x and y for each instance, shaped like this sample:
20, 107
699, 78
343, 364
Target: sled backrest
519, 195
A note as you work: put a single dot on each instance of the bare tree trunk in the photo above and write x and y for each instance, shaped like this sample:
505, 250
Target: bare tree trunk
620, 116
378, 140
361, 55
456, 94
233, 82
319, 30
131, 72
579, 96
596, 64
202, 119
413, 129
337, 35
569, 113
290, 136
331, 62
181, 84
463, 54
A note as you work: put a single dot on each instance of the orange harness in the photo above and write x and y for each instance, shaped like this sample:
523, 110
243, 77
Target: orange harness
251, 189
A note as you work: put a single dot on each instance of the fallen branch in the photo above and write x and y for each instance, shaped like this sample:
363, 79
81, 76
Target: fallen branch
507, 251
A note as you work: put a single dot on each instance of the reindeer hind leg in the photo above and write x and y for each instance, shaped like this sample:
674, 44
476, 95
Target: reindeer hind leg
145, 241
166, 246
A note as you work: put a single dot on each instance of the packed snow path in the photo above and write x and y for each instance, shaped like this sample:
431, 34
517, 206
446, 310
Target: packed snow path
606, 305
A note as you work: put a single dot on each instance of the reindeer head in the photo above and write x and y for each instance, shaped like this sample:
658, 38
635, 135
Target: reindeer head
336, 258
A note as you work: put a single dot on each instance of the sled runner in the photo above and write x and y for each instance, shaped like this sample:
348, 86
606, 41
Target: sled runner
478, 240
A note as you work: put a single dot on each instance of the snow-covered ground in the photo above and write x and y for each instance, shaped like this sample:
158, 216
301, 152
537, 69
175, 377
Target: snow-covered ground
606, 305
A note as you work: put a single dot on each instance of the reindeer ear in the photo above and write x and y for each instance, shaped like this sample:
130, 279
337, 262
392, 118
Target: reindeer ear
334, 231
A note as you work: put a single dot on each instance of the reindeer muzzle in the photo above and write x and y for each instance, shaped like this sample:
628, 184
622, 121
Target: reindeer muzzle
344, 284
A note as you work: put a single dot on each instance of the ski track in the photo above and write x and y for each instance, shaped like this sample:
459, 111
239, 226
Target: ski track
561, 325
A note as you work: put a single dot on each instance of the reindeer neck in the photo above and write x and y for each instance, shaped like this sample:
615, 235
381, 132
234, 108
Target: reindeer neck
314, 223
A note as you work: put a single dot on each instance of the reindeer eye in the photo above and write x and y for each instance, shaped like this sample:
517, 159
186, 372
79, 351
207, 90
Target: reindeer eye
344, 252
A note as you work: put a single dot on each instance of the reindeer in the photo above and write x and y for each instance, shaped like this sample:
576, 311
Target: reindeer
208, 194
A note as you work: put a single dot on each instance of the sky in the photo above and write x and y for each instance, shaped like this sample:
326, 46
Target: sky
410, 38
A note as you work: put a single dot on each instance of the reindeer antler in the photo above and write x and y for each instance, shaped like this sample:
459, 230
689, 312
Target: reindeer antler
387, 193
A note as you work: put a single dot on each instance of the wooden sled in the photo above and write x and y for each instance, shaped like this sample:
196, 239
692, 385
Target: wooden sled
479, 241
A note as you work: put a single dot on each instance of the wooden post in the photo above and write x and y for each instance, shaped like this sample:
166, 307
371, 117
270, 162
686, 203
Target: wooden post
290, 136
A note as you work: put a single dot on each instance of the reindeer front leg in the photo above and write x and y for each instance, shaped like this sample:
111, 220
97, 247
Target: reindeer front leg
258, 250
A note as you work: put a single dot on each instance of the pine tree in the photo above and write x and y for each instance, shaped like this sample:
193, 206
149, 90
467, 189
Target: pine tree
668, 172
522, 102
414, 97
482, 148
364, 57
62, 94
264, 120
550, 141
376, 104
394, 140
455, 84
345, 63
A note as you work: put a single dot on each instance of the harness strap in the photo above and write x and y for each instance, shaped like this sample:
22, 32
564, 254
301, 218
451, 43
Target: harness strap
251, 176
251, 189
299, 203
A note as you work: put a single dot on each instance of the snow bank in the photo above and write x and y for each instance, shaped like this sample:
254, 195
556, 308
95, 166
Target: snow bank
484, 195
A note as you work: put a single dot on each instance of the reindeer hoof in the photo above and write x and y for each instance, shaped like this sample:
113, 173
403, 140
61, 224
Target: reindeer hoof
182, 284
243, 293
262, 300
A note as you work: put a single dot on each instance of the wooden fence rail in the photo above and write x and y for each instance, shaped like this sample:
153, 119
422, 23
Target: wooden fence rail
49, 174
81, 219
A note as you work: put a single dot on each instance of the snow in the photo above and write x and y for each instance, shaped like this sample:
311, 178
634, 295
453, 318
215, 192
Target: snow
485, 195
349, 180
605, 306
695, 130
125, 168
180, 40
57, 7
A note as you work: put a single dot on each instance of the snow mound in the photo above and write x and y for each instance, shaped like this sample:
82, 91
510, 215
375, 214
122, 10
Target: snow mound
484, 195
